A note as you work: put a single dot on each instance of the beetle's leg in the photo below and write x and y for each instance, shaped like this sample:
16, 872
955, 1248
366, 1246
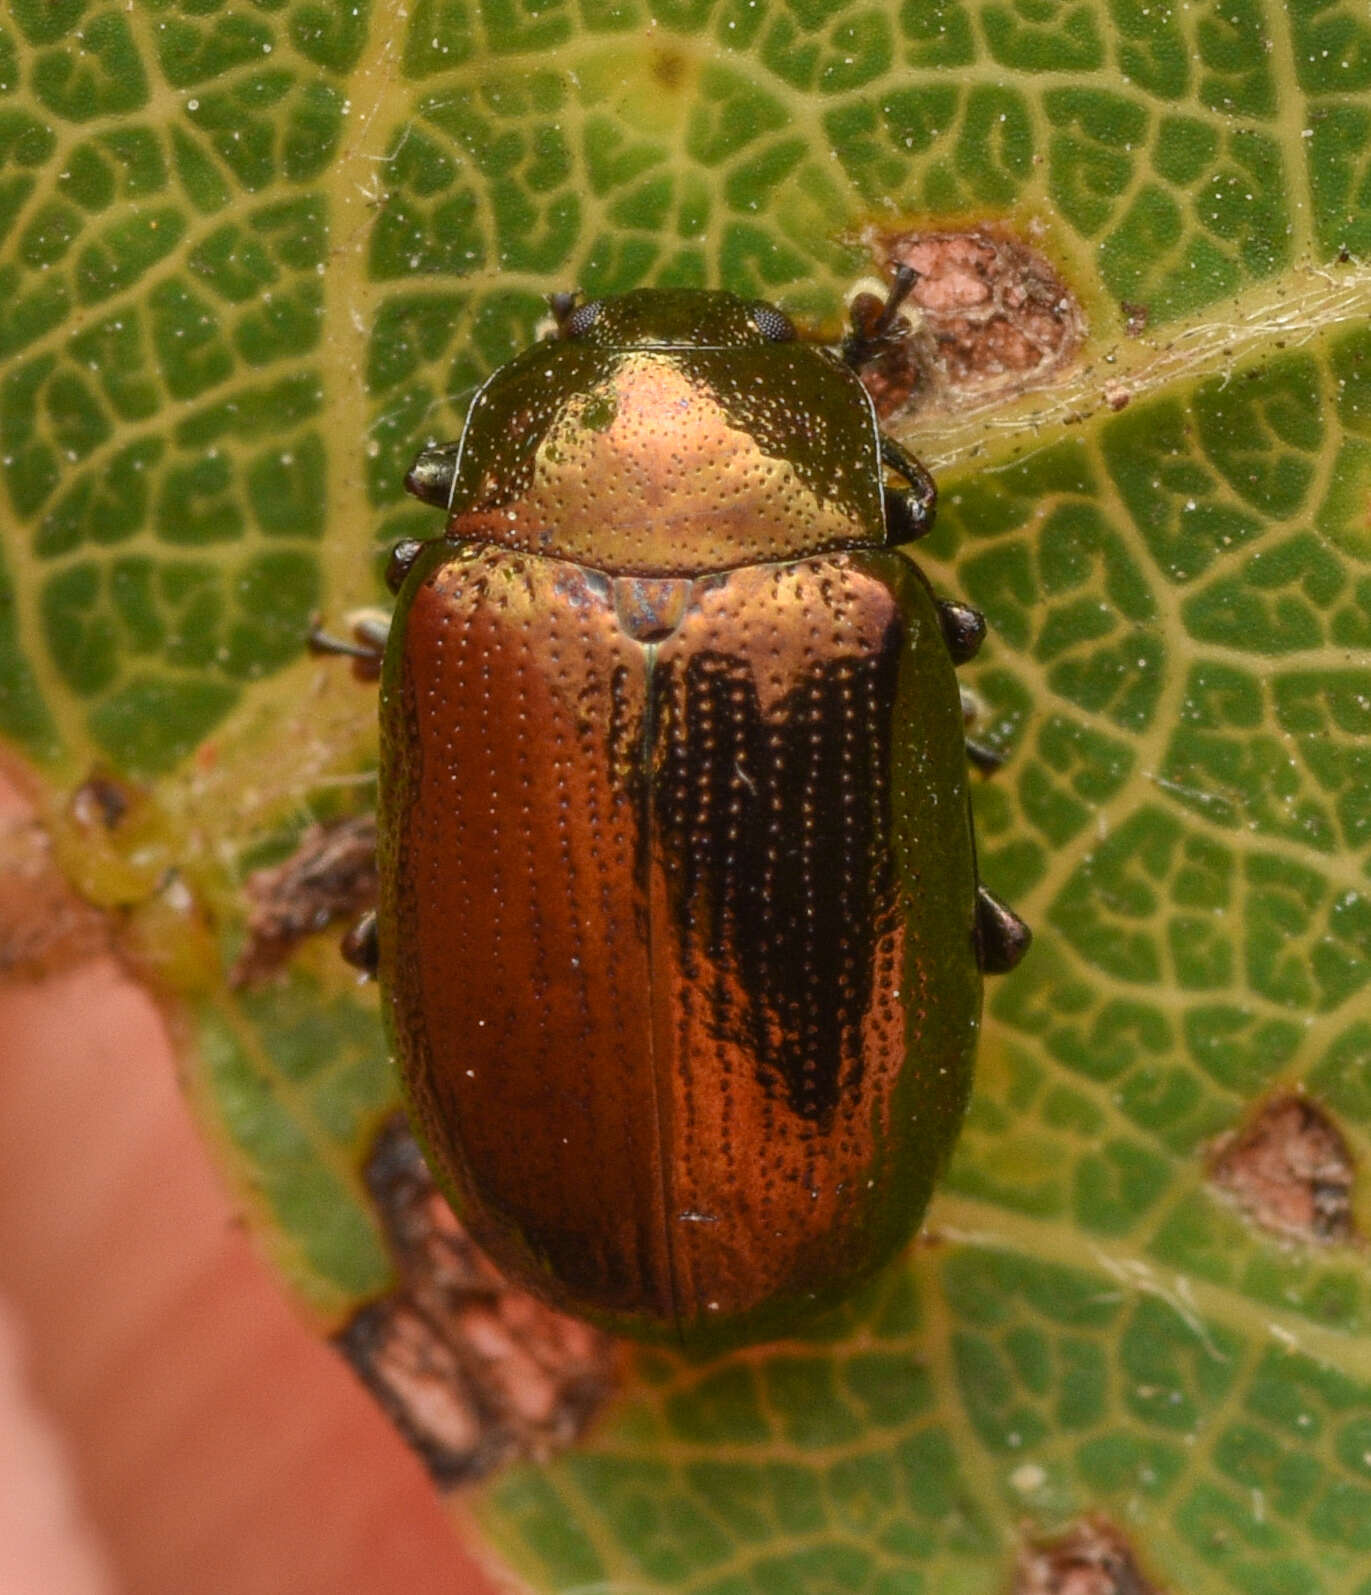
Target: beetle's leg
1002, 938
909, 515
872, 321
964, 629
431, 476
982, 756
366, 650
360, 946
370, 627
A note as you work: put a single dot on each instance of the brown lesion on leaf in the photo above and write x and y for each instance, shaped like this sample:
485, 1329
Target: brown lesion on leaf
1290, 1170
328, 879
1092, 1557
474, 1373
990, 316
101, 802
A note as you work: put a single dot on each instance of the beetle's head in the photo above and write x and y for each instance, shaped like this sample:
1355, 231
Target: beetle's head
675, 318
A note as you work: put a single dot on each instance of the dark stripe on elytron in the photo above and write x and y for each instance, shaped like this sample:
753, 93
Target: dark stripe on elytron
787, 916
644, 808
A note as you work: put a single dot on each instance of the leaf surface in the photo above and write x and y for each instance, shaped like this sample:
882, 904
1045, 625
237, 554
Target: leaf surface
253, 255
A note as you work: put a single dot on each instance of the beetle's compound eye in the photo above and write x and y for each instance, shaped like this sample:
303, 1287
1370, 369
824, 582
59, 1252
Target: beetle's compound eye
582, 319
772, 323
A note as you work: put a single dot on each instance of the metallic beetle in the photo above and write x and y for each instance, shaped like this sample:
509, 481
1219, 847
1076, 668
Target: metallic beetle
680, 933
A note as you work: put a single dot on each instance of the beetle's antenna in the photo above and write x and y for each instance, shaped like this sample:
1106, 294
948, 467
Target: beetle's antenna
872, 321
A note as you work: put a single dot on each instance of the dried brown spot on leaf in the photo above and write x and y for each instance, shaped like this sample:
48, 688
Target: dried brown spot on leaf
669, 67
473, 1372
330, 876
1135, 318
1093, 1557
44, 926
1290, 1170
989, 316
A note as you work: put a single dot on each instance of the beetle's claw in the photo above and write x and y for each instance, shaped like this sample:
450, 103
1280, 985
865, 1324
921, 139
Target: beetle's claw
431, 476
1002, 938
964, 629
980, 754
361, 946
983, 757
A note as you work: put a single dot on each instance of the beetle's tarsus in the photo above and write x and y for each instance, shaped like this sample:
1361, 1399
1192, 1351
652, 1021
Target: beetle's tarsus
964, 629
914, 518
904, 520
1002, 938
402, 557
431, 476
983, 757
361, 946
366, 650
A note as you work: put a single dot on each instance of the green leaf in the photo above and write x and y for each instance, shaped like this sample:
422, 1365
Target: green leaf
252, 256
